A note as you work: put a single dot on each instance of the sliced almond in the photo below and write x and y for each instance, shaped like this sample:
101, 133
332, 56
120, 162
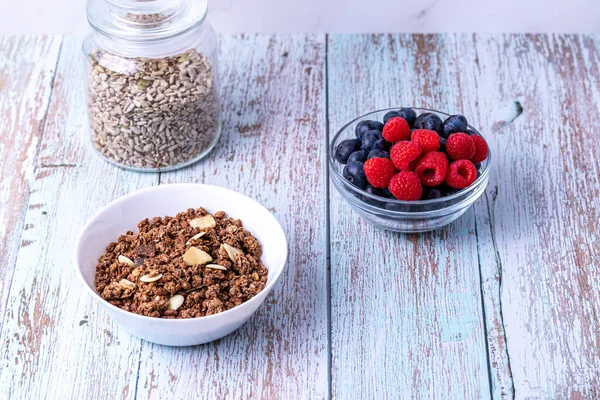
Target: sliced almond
126, 260
195, 237
231, 251
195, 256
206, 221
150, 278
127, 285
176, 301
216, 266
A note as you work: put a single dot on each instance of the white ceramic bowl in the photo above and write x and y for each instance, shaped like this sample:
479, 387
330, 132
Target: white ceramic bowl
124, 214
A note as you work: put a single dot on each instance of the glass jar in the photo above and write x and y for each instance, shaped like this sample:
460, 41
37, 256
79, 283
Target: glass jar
152, 82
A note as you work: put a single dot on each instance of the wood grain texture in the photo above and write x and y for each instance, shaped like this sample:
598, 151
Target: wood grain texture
56, 342
410, 314
406, 309
544, 206
490, 118
272, 150
27, 67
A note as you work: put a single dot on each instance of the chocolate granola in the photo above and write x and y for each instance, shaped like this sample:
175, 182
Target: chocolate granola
209, 260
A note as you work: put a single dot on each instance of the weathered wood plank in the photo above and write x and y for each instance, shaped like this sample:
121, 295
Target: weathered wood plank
27, 67
56, 342
273, 150
544, 206
486, 116
405, 309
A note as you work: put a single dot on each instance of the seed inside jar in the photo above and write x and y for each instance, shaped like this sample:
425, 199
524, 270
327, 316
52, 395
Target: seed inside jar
152, 113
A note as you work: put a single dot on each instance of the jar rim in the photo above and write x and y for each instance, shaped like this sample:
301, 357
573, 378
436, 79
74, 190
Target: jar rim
132, 20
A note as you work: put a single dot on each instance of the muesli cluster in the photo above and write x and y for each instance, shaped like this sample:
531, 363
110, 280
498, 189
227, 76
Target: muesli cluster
152, 113
192, 265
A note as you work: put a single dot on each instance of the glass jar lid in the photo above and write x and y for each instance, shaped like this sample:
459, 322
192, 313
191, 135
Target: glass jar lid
144, 20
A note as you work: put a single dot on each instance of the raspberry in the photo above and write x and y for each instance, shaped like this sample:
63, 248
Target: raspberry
432, 168
460, 146
481, 149
379, 171
461, 173
405, 185
396, 129
426, 139
403, 154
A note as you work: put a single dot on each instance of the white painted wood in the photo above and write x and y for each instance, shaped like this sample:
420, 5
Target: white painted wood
56, 341
272, 150
27, 67
406, 317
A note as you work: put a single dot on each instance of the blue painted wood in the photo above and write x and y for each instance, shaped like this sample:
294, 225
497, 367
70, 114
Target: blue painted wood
539, 223
406, 309
409, 313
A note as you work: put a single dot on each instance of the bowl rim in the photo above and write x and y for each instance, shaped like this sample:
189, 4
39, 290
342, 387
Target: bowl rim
92, 220
482, 177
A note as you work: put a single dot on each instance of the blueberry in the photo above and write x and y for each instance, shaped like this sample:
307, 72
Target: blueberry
434, 123
409, 115
446, 190
355, 174
453, 124
346, 148
431, 193
378, 154
470, 132
365, 126
387, 193
442, 145
389, 115
419, 120
372, 140
374, 191
359, 155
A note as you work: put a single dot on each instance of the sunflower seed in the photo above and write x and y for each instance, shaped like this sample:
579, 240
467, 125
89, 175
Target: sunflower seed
159, 105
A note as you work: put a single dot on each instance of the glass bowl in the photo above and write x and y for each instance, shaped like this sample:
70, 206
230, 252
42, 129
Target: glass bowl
403, 216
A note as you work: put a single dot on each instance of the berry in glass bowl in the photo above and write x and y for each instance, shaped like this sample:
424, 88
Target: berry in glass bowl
409, 169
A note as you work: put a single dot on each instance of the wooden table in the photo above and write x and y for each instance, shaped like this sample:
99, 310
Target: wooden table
504, 302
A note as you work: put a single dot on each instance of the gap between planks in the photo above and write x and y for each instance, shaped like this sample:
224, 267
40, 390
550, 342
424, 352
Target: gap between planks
328, 221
